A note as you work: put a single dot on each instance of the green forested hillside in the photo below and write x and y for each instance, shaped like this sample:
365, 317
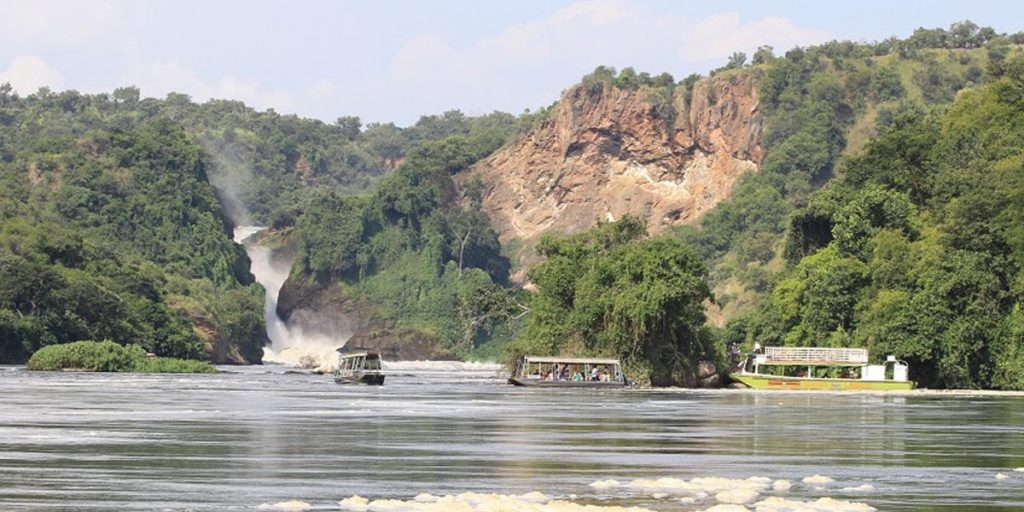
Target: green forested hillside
109, 229
820, 104
911, 251
916, 249
426, 263
885, 214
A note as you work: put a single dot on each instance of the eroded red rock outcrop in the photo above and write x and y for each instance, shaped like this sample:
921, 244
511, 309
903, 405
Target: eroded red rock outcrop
605, 152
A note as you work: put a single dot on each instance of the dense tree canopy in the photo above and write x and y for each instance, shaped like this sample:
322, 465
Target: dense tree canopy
917, 249
410, 248
613, 292
109, 229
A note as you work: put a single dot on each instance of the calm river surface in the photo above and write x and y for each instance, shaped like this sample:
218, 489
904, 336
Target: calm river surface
235, 441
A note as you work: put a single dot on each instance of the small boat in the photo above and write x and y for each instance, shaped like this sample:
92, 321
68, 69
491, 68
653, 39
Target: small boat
569, 372
816, 369
359, 366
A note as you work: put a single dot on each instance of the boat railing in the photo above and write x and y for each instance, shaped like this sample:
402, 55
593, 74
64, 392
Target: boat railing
819, 355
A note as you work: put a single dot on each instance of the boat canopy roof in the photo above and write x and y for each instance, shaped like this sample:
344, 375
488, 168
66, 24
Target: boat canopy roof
571, 360
814, 356
345, 352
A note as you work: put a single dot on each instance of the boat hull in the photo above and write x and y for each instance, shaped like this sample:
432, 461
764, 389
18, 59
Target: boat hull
805, 384
370, 379
537, 383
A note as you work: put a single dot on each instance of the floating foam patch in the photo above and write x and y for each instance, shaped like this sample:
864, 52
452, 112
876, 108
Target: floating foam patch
737, 496
605, 484
1019, 470
781, 485
477, 502
289, 506
707, 485
1000, 476
817, 480
777, 504
859, 488
355, 502
727, 491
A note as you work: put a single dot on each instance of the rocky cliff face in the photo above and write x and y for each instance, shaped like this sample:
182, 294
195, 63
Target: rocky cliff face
606, 152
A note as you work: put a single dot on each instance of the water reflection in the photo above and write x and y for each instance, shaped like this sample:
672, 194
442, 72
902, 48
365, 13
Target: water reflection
234, 441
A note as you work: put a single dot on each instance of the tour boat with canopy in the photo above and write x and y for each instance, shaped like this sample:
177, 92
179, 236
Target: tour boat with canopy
813, 368
569, 372
359, 366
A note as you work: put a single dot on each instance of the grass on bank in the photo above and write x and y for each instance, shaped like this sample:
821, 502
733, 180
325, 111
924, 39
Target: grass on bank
107, 356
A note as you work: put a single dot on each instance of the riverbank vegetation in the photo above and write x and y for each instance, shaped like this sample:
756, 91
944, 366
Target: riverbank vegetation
110, 229
614, 292
885, 213
916, 250
410, 250
107, 356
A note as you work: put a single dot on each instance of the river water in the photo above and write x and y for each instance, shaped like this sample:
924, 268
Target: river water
259, 437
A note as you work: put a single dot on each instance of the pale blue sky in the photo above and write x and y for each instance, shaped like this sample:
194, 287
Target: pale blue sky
393, 61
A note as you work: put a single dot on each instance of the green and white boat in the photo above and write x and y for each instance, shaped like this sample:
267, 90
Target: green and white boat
821, 369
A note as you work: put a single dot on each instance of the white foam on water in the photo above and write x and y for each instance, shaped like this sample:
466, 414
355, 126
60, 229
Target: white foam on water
1019, 470
859, 488
605, 484
777, 504
287, 506
1000, 476
291, 343
730, 495
355, 503
737, 496
478, 502
817, 480
725, 490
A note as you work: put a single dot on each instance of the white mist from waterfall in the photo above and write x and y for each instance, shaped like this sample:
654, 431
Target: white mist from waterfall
292, 343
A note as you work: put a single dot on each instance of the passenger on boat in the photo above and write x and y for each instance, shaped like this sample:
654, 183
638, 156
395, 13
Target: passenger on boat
564, 374
595, 374
735, 356
577, 376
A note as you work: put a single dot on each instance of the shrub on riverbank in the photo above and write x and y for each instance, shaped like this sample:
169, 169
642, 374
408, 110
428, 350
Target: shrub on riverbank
107, 356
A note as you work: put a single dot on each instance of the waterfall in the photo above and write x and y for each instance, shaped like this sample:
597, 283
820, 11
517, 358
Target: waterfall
306, 340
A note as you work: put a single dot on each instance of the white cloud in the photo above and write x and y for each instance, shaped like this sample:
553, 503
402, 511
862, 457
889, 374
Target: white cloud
159, 79
527, 64
28, 73
718, 36
58, 22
